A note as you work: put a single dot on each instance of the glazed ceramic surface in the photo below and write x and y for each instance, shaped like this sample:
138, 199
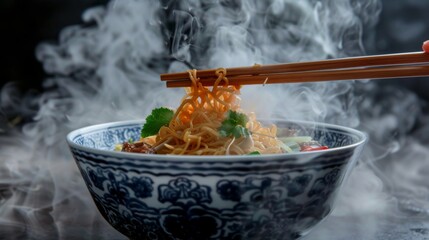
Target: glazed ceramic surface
226, 197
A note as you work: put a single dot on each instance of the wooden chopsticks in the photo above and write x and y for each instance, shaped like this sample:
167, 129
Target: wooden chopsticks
369, 67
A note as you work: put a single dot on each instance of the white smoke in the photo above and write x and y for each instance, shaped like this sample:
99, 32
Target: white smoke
109, 70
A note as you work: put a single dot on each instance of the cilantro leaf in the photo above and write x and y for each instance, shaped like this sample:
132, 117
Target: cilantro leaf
254, 153
158, 118
234, 125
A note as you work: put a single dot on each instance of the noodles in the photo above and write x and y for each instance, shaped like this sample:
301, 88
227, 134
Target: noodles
194, 129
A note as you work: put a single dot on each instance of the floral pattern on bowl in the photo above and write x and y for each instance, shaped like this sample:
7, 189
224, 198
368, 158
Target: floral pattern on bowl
226, 197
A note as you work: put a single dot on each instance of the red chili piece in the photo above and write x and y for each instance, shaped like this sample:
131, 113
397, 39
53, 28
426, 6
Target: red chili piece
313, 148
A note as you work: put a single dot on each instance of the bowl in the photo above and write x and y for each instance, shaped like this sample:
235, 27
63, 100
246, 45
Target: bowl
277, 196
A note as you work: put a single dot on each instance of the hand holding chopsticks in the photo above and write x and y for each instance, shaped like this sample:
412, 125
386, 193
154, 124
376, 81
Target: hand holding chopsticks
369, 67
425, 46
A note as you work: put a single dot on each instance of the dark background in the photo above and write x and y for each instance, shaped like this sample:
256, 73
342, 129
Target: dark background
26, 23
403, 26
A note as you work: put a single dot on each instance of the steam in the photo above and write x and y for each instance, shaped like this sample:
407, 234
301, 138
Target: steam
109, 70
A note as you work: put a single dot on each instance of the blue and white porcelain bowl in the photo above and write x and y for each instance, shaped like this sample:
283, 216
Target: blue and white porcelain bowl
214, 197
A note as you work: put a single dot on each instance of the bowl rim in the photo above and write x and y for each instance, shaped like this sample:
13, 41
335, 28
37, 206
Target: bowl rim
362, 139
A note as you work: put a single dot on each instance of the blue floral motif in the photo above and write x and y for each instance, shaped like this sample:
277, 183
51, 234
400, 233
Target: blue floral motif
229, 190
297, 185
263, 190
190, 221
126, 213
116, 190
325, 184
332, 138
142, 186
184, 189
117, 185
264, 208
97, 178
270, 207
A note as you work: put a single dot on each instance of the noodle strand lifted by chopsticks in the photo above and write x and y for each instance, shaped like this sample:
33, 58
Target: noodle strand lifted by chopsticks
194, 127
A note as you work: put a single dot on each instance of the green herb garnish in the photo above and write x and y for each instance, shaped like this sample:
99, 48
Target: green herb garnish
234, 125
158, 118
254, 153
